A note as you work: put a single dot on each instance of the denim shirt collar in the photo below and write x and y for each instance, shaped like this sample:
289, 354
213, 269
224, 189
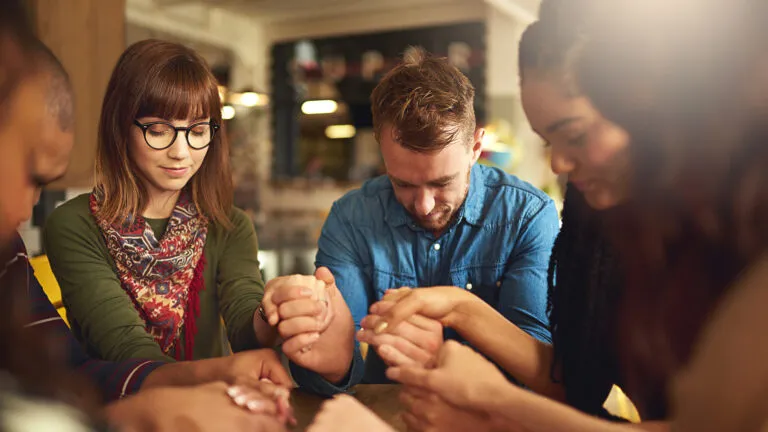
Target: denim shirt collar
470, 211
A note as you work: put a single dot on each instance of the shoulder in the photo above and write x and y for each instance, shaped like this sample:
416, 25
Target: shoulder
73, 215
365, 204
504, 198
74, 208
240, 224
502, 184
239, 218
240, 233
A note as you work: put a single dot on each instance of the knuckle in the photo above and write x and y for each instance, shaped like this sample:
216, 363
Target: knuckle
283, 327
433, 345
430, 416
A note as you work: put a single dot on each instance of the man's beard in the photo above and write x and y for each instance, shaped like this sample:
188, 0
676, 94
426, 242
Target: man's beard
446, 216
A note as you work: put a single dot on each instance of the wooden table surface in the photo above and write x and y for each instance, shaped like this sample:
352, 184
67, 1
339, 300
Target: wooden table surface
380, 398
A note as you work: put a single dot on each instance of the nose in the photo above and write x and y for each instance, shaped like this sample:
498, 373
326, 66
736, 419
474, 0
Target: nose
424, 202
180, 148
561, 162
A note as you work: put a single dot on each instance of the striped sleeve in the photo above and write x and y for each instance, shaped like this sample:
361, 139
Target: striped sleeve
114, 379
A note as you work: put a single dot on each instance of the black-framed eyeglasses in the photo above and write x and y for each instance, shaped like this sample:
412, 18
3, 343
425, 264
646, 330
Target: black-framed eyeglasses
160, 135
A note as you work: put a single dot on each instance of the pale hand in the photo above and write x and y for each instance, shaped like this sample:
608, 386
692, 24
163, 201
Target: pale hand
345, 414
301, 308
441, 303
428, 412
214, 406
255, 364
462, 377
415, 341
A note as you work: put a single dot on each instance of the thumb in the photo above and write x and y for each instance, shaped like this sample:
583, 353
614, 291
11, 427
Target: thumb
325, 275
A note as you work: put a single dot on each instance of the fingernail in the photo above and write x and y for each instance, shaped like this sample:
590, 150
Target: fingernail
241, 400
234, 392
266, 380
282, 393
306, 292
314, 337
374, 309
255, 405
380, 327
393, 373
385, 349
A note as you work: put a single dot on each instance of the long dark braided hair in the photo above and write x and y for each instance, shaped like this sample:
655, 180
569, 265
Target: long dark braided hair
585, 282
584, 292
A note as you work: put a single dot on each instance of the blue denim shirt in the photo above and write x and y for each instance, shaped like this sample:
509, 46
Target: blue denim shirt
498, 247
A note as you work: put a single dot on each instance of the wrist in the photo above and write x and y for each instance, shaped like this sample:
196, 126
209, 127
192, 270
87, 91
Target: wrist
265, 334
173, 375
260, 314
466, 307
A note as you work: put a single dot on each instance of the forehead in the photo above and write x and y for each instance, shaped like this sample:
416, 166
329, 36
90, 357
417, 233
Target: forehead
545, 102
40, 131
418, 168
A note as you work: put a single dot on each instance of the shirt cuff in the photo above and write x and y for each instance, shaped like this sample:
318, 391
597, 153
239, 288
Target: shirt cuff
136, 376
312, 382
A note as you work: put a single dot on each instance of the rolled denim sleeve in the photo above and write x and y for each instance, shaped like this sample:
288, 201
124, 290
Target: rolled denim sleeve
523, 296
336, 251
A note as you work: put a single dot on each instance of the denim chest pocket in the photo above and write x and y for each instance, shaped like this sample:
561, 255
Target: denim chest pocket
483, 281
382, 281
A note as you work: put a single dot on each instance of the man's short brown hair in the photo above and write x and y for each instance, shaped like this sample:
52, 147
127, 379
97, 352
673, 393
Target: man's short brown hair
427, 101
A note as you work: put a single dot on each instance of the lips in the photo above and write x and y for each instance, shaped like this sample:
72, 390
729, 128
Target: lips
583, 185
176, 171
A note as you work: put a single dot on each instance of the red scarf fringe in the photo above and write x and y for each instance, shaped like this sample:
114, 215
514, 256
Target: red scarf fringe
193, 309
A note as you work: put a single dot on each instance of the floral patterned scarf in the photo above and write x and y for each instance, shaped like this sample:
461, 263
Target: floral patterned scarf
163, 277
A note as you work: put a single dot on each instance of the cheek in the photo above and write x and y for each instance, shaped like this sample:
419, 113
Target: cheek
198, 156
16, 195
141, 154
607, 152
453, 196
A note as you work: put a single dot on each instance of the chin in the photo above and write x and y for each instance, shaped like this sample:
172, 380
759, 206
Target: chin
173, 185
436, 225
602, 200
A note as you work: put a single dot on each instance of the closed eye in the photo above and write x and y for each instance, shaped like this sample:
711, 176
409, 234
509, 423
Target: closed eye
579, 140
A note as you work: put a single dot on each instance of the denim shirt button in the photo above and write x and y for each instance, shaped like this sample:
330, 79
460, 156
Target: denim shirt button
498, 284
469, 286
436, 246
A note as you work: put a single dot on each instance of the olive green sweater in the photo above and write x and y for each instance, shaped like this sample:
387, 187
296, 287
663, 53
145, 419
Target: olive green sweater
102, 314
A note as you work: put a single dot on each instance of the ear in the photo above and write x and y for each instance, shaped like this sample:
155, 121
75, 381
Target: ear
477, 144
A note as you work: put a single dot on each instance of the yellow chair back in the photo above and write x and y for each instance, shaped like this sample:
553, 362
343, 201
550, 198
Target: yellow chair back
45, 276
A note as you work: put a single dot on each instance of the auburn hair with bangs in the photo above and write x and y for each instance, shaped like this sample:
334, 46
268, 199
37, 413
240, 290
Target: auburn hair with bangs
170, 81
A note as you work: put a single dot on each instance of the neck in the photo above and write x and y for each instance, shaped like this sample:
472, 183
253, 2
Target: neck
161, 204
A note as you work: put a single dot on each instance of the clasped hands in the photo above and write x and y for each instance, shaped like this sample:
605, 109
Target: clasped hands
446, 386
300, 308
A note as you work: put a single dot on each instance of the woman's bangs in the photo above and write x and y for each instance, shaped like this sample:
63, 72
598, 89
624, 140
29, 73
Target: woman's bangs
183, 90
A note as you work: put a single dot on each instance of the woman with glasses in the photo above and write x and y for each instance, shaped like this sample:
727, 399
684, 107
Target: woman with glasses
151, 259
